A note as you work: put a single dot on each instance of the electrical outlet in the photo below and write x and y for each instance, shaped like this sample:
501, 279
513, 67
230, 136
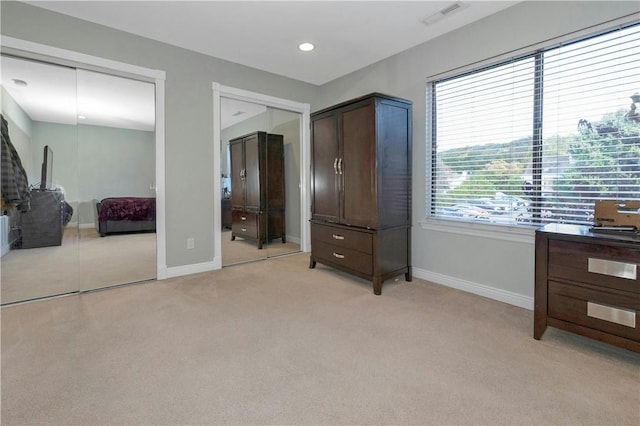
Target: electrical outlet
191, 243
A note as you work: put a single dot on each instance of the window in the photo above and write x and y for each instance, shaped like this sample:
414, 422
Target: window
539, 138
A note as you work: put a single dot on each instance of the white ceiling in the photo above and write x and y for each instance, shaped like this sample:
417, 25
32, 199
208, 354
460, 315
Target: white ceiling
348, 35
57, 94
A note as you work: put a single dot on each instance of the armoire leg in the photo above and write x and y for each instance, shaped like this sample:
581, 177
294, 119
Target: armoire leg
377, 286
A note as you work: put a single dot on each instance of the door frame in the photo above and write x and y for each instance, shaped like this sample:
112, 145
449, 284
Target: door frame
57, 56
221, 91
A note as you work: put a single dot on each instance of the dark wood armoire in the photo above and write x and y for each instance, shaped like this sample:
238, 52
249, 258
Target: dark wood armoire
361, 188
257, 187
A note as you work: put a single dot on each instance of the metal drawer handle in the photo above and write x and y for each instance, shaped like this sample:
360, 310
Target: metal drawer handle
335, 165
338, 237
243, 218
338, 255
624, 317
244, 229
613, 268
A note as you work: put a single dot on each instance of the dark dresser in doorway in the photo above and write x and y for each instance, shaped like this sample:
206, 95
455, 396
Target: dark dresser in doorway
257, 187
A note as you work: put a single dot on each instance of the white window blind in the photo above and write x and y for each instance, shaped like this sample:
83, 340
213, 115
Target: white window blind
539, 138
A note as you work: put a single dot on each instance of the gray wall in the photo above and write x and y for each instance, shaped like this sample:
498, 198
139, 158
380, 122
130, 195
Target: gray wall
113, 163
188, 115
504, 265
20, 130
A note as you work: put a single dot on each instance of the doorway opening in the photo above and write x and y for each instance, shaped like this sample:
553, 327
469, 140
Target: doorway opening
261, 178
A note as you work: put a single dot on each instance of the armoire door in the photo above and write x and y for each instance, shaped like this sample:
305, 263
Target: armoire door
357, 167
237, 172
252, 173
325, 157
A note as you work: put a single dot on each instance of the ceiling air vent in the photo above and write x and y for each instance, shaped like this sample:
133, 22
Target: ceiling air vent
444, 12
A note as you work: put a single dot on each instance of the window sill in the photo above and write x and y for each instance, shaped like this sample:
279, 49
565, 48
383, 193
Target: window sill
483, 230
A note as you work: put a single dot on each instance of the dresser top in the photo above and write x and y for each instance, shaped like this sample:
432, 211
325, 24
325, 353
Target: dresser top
586, 232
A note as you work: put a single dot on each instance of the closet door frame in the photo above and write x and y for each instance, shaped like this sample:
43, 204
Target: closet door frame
36, 51
220, 91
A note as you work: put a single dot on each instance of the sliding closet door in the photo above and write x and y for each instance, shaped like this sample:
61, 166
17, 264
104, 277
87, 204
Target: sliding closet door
116, 162
283, 199
279, 178
240, 180
40, 245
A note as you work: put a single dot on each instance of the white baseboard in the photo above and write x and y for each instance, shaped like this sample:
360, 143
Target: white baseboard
179, 271
291, 239
500, 295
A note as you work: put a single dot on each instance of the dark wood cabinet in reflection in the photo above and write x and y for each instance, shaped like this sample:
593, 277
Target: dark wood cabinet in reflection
257, 187
361, 188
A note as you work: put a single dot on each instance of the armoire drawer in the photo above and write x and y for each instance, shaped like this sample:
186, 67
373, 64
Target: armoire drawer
244, 223
348, 258
342, 238
610, 312
602, 265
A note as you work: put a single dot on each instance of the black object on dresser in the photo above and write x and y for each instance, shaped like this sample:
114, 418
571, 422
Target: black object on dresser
361, 188
588, 283
257, 187
43, 224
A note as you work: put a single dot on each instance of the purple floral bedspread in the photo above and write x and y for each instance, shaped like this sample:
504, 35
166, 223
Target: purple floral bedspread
127, 208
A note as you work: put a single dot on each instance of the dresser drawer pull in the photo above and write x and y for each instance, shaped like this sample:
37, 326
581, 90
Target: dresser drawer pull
338, 255
338, 237
244, 229
624, 317
243, 218
613, 268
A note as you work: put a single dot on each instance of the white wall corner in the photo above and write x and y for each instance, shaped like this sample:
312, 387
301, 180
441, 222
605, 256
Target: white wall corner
500, 295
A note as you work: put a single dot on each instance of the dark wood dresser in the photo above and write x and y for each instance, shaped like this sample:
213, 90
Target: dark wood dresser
257, 187
588, 283
361, 188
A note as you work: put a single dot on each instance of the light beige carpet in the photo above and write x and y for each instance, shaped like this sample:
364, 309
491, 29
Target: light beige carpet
273, 342
84, 261
240, 250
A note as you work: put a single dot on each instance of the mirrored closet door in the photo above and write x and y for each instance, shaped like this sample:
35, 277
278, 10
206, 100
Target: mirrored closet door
260, 167
116, 176
40, 240
86, 141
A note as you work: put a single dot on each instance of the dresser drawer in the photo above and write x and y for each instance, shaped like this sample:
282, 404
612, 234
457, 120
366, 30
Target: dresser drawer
342, 238
602, 265
610, 312
345, 257
244, 224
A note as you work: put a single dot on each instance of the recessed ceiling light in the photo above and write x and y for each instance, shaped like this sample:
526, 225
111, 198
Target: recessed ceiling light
306, 47
19, 82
